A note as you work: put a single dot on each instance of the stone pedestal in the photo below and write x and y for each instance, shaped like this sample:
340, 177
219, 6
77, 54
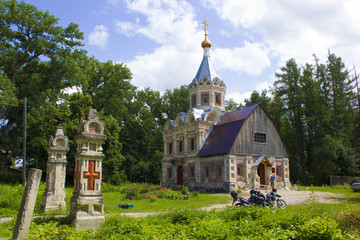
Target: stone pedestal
87, 204
54, 195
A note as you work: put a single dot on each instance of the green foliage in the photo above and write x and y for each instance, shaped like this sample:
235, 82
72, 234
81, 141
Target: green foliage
185, 191
10, 178
310, 221
10, 199
319, 228
349, 221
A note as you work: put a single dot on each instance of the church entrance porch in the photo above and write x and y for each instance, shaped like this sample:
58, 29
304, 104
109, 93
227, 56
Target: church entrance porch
179, 175
261, 173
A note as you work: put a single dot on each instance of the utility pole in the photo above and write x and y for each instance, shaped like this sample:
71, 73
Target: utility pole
357, 89
24, 146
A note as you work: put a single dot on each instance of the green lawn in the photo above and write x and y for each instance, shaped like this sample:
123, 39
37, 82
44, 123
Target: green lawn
113, 199
113, 196
181, 219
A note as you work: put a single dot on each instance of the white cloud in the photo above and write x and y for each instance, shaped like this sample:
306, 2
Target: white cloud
251, 58
126, 28
237, 96
99, 36
165, 68
171, 24
297, 29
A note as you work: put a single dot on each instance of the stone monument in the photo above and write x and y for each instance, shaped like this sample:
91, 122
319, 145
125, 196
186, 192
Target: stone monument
27, 205
87, 204
54, 195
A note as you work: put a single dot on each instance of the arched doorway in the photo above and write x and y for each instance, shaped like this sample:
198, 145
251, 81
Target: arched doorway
261, 172
179, 175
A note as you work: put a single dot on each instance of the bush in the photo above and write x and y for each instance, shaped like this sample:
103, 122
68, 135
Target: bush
118, 178
185, 191
10, 178
10, 200
319, 228
131, 193
349, 222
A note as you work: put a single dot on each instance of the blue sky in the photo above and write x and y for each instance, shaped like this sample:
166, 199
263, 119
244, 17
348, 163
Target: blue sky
160, 40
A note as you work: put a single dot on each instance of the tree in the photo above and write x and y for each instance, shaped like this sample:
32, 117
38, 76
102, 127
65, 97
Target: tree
176, 101
35, 57
232, 105
255, 97
287, 88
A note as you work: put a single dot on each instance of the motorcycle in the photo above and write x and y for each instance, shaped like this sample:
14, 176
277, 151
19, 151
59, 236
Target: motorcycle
257, 198
273, 197
239, 201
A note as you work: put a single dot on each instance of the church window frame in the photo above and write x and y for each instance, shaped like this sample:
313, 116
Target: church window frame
205, 98
259, 137
220, 171
218, 99
180, 146
170, 148
169, 172
207, 172
240, 170
192, 144
192, 172
193, 100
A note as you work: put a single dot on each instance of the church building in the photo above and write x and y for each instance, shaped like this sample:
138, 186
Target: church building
214, 150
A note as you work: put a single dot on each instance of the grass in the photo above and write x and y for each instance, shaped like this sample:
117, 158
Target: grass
181, 219
311, 221
349, 195
113, 196
112, 199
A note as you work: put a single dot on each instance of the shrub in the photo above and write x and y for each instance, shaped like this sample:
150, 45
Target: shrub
319, 228
10, 199
195, 192
185, 191
131, 193
10, 178
349, 222
181, 216
107, 187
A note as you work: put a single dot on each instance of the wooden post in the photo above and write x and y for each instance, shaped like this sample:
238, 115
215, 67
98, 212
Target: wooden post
24, 145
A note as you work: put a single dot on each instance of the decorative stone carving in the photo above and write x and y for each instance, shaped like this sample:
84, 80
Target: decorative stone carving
87, 204
54, 195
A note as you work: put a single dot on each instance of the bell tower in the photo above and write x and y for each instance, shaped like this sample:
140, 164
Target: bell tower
206, 89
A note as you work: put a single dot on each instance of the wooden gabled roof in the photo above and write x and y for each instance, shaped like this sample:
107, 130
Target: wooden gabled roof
223, 134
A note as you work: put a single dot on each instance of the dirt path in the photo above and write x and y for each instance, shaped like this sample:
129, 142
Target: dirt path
290, 196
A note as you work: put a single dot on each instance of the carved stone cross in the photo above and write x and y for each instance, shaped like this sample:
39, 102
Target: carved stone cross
91, 175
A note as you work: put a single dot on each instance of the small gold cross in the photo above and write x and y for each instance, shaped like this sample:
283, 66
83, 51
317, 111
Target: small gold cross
205, 26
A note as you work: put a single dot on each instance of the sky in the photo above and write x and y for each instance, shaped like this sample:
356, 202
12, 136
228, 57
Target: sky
160, 40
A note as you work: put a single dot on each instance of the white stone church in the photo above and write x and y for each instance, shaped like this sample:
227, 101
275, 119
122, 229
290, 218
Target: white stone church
214, 150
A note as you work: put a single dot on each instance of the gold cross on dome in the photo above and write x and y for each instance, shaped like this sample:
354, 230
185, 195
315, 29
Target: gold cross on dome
205, 26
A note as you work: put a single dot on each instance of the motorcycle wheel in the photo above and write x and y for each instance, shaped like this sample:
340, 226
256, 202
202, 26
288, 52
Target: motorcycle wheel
281, 203
242, 205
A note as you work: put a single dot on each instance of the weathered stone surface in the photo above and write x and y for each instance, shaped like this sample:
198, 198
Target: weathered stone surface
87, 204
25, 214
54, 195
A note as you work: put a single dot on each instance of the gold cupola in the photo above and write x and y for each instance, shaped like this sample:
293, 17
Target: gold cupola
206, 43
